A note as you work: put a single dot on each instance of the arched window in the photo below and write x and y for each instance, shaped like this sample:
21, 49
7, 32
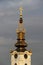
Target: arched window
15, 56
25, 56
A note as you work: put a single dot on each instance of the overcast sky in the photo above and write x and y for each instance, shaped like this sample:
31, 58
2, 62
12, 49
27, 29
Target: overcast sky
33, 22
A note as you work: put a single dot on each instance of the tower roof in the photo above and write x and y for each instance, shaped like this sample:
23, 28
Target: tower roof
21, 44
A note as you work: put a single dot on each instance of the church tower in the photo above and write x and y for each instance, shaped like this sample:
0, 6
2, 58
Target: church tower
21, 56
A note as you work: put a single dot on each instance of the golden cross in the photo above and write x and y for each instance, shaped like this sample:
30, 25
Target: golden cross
21, 9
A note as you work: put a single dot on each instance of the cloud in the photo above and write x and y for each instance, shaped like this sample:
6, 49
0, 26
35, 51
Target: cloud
32, 4
4, 41
1, 14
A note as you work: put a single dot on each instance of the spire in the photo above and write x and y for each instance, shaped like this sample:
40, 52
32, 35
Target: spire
20, 25
21, 44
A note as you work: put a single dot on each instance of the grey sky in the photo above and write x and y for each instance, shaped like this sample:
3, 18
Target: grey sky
33, 22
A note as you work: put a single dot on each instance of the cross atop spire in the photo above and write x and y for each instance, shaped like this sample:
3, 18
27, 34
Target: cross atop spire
21, 9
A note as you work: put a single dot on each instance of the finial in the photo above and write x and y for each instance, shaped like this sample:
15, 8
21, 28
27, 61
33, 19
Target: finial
21, 9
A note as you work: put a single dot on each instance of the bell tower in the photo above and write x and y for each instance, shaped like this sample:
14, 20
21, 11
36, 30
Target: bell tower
21, 56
